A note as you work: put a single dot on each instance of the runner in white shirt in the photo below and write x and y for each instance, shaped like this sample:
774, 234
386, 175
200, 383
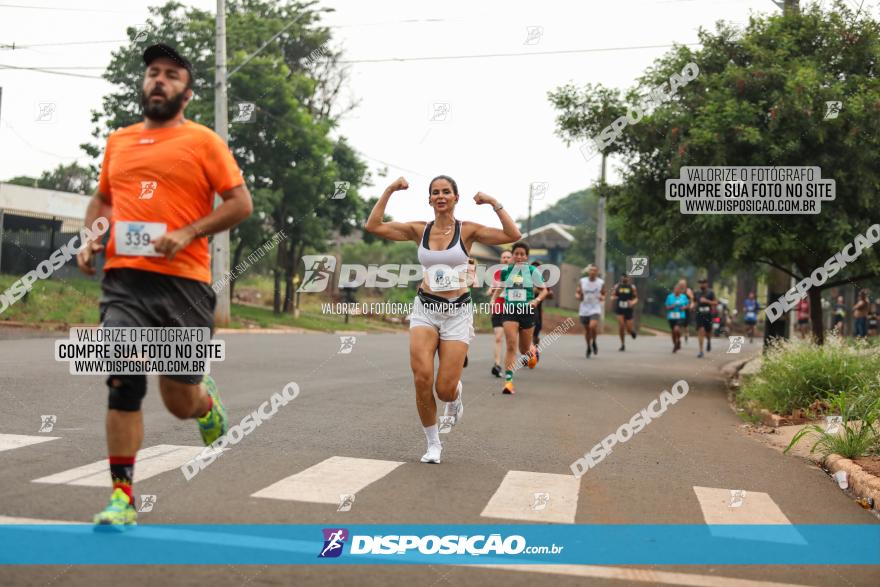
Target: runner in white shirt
591, 293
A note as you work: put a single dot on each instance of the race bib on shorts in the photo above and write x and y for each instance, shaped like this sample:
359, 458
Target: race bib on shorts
623, 305
516, 295
136, 238
703, 309
675, 315
751, 316
443, 279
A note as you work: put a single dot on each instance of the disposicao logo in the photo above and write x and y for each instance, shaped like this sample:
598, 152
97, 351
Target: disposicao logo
334, 540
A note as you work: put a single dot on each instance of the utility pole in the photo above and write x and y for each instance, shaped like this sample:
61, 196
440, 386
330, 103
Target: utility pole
788, 6
220, 248
600, 223
601, 238
778, 281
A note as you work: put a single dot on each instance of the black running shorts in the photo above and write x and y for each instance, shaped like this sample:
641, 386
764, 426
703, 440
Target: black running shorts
704, 320
135, 298
522, 314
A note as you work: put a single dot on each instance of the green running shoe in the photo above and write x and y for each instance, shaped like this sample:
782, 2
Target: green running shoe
214, 424
118, 515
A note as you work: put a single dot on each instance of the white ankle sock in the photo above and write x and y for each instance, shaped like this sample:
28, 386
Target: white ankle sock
432, 434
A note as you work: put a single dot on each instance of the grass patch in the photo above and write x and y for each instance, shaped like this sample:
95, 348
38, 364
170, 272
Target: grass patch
75, 301
654, 322
242, 316
857, 434
68, 301
749, 417
560, 312
794, 374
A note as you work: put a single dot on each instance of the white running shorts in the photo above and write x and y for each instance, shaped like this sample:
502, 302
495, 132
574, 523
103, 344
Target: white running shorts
455, 324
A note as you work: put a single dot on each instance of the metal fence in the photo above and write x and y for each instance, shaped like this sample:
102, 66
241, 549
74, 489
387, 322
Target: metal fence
28, 238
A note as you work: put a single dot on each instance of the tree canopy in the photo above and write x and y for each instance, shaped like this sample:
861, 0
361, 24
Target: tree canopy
759, 99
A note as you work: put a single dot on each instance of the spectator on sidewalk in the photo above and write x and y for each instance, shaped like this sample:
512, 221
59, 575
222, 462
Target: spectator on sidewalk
860, 314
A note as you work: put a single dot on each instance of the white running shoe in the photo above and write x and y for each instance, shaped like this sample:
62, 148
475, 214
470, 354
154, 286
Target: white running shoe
456, 408
433, 454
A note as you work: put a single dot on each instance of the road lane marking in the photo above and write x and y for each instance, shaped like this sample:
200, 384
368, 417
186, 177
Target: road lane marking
327, 480
149, 462
755, 507
638, 575
5, 520
13, 441
540, 497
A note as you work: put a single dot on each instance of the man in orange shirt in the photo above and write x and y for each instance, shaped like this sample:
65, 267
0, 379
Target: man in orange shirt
157, 186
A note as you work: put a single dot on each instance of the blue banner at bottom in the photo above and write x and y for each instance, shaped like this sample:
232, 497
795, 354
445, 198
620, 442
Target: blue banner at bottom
188, 544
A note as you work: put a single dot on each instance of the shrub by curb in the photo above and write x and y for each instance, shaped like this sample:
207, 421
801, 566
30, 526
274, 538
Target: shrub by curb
861, 483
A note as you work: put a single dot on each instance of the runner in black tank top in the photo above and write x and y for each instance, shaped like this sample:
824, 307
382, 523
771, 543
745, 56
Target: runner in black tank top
625, 297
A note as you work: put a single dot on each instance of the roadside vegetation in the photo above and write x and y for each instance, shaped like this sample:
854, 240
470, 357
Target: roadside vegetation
836, 382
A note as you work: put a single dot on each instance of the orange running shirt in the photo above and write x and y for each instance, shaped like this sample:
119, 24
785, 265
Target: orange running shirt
166, 175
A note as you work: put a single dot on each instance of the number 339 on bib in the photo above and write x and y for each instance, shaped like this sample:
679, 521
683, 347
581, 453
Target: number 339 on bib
136, 238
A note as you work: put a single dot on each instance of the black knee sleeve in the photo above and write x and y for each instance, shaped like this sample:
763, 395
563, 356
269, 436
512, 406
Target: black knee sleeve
126, 392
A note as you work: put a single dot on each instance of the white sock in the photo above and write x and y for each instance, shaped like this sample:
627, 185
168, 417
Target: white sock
432, 434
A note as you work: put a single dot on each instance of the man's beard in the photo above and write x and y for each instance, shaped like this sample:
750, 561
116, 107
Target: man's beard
162, 111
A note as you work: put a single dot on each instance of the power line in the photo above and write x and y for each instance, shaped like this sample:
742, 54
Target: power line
384, 22
387, 164
25, 141
533, 53
56, 70
58, 8
46, 69
63, 67
49, 71
66, 43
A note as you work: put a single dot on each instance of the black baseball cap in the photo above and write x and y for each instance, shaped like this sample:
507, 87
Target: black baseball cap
158, 50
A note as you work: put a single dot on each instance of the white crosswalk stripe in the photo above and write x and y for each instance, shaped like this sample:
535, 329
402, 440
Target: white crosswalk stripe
726, 507
329, 479
521, 495
13, 441
539, 497
150, 462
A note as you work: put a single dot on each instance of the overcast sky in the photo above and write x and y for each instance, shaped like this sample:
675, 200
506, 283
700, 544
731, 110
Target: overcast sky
498, 133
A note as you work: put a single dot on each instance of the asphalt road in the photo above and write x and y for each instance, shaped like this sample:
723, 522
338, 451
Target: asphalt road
360, 406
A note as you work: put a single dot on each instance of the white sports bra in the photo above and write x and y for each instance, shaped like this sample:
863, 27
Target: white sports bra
451, 256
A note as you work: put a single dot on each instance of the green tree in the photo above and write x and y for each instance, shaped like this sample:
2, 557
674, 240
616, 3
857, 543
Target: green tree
289, 160
578, 209
24, 180
575, 208
759, 99
73, 178
255, 230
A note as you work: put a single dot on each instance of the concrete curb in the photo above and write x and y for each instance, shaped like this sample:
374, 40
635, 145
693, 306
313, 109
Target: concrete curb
731, 370
861, 483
